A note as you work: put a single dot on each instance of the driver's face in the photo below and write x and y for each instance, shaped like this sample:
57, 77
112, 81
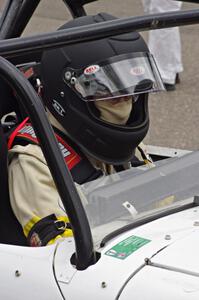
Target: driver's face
116, 111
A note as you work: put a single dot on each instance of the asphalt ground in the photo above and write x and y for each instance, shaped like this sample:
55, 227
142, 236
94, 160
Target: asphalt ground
174, 115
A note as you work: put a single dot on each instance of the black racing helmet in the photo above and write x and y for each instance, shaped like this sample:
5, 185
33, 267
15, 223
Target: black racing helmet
75, 76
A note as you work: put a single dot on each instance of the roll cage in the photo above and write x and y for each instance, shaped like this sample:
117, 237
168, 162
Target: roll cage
16, 50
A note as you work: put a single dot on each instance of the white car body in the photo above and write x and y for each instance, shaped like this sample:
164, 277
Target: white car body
162, 264
166, 266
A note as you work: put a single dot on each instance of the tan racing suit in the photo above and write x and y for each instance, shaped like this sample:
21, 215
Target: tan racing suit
33, 195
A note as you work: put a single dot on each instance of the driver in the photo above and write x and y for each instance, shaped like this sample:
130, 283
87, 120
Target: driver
96, 96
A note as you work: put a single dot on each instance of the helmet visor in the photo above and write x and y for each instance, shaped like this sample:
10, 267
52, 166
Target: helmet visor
119, 76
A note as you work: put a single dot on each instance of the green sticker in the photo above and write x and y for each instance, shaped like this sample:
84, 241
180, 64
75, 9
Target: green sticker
125, 248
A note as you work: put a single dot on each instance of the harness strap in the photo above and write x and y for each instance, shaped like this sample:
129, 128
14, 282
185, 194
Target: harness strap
80, 167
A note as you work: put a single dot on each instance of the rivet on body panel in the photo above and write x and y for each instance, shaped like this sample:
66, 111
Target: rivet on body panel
17, 273
103, 284
167, 237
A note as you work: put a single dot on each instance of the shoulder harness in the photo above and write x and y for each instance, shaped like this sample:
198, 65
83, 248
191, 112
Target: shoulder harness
80, 167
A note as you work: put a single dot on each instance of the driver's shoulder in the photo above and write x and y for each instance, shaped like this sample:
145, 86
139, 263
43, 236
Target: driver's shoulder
30, 151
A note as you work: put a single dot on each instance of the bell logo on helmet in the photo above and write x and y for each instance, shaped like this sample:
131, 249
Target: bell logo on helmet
59, 109
91, 70
137, 71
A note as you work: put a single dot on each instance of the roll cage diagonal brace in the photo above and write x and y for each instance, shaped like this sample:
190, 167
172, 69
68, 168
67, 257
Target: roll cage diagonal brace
9, 17
5, 12
17, 14
17, 17
27, 96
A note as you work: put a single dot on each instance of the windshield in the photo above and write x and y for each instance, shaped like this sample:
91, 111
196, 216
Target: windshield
114, 201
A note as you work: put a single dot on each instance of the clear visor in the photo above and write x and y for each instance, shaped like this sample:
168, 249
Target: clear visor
119, 76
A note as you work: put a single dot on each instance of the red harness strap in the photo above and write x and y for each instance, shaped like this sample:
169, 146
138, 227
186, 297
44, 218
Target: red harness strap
14, 133
26, 132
